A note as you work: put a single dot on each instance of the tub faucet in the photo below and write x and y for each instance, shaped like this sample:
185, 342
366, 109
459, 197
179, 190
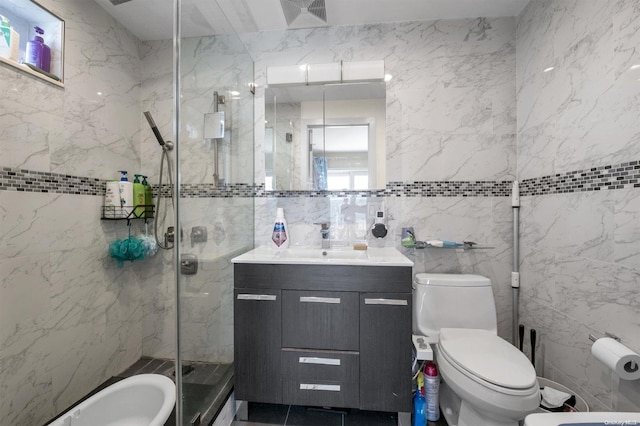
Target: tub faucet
324, 232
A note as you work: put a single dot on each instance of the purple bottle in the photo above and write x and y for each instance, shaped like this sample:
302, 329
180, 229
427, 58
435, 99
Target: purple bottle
38, 53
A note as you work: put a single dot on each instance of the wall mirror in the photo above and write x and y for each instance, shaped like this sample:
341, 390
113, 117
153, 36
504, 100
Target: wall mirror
325, 137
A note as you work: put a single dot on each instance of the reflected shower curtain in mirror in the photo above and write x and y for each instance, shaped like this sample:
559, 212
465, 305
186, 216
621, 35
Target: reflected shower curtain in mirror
320, 173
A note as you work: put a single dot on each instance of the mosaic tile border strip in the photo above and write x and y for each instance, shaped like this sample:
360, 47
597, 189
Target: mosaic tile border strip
12, 179
619, 176
393, 189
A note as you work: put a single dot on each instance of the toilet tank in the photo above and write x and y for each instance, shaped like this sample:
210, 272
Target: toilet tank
452, 301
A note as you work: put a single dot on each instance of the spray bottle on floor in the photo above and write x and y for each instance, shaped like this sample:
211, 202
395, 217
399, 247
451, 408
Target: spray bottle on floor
432, 388
419, 403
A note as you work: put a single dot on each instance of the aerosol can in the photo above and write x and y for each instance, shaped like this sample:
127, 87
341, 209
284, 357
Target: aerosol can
432, 388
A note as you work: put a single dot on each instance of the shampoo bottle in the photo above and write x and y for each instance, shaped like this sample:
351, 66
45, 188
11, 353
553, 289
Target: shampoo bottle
126, 194
138, 196
148, 198
112, 208
280, 235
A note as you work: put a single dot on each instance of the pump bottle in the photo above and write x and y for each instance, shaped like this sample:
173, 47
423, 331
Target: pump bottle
148, 198
138, 196
38, 54
126, 194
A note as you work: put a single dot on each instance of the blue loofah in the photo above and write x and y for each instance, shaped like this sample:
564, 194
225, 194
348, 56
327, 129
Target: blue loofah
131, 249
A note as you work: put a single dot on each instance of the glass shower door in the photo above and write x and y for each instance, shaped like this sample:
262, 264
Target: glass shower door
215, 206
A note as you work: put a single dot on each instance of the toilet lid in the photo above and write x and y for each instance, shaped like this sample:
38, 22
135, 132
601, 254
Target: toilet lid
488, 357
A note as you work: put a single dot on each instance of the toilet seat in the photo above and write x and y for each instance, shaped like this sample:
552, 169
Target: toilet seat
488, 360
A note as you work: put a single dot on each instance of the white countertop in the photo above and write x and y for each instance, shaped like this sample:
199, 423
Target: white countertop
373, 256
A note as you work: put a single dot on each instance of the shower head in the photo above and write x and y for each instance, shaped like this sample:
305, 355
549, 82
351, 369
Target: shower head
154, 128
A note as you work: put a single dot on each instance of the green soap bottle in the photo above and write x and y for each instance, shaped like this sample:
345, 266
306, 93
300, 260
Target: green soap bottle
148, 198
138, 197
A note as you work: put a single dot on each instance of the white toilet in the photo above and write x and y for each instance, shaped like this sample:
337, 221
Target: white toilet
486, 380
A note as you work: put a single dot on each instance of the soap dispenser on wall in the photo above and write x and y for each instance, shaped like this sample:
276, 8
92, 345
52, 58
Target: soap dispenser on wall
379, 229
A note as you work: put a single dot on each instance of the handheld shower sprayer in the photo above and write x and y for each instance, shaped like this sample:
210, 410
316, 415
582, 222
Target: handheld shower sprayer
166, 147
154, 128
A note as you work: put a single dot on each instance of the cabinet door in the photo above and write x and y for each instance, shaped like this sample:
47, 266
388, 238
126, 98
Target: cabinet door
385, 351
320, 320
257, 343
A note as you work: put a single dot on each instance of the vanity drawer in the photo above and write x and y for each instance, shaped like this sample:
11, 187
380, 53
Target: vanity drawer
320, 320
320, 378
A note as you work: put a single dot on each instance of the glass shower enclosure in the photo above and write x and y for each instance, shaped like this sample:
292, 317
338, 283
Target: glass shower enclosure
206, 104
214, 209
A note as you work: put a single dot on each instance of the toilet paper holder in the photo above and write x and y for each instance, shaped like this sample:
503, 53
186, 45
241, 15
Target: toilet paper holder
607, 334
629, 366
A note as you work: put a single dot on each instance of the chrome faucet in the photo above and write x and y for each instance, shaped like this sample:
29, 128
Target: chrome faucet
324, 232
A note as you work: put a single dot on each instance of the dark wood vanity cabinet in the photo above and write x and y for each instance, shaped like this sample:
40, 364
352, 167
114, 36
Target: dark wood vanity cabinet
257, 336
322, 335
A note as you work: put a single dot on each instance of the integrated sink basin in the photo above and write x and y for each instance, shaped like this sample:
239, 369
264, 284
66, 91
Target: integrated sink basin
384, 256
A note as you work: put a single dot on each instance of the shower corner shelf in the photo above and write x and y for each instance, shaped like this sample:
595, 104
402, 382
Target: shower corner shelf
141, 212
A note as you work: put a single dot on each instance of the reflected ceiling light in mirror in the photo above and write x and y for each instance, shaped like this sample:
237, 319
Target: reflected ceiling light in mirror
635, 67
548, 69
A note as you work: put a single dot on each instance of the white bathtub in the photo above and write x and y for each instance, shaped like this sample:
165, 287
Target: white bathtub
142, 400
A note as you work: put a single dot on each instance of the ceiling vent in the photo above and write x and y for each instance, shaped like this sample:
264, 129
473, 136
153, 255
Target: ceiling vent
304, 13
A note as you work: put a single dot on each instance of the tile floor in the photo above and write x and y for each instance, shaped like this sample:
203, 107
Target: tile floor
292, 415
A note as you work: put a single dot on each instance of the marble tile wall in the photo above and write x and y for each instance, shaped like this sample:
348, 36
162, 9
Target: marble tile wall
69, 318
450, 117
580, 255
451, 99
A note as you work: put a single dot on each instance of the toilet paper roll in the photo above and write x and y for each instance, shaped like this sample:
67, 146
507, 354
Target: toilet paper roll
618, 357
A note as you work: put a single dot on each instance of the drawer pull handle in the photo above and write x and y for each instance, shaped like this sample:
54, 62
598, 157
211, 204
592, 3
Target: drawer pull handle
394, 302
256, 297
316, 360
319, 387
313, 299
